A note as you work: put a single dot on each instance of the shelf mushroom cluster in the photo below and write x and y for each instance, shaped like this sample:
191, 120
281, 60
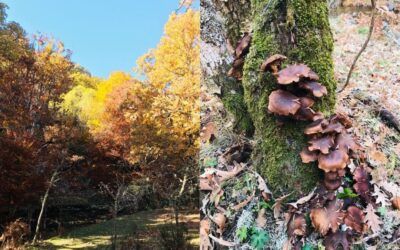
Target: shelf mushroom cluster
242, 49
329, 143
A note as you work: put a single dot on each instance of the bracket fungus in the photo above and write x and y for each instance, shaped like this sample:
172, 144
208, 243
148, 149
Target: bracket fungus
273, 63
294, 73
242, 48
283, 103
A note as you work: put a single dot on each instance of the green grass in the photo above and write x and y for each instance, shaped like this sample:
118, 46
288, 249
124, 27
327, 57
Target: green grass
145, 224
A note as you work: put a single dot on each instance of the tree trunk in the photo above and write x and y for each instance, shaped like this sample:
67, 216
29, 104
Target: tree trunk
221, 21
44, 202
300, 30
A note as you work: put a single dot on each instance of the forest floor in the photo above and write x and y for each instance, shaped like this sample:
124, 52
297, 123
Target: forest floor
143, 226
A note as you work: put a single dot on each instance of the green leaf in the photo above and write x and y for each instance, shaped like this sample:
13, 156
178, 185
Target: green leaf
210, 162
259, 239
347, 193
241, 233
307, 246
382, 210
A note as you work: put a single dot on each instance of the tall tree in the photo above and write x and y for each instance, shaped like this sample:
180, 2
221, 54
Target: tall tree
300, 30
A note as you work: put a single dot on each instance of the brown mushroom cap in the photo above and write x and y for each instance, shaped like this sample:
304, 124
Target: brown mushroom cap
305, 113
297, 225
316, 127
283, 103
355, 219
237, 69
343, 119
293, 73
346, 142
396, 202
323, 144
243, 45
333, 127
332, 185
316, 88
272, 63
308, 156
333, 161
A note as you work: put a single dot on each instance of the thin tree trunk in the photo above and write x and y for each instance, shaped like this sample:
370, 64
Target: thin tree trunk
300, 30
44, 202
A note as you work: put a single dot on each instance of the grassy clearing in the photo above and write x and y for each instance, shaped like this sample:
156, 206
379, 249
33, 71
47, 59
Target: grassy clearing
145, 224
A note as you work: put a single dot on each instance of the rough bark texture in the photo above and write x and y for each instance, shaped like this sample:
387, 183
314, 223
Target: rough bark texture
218, 19
300, 30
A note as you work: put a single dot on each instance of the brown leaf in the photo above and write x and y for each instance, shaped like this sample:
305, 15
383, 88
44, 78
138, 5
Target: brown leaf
222, 242
278, 205
373, 221
243, 203
326, 218
303, 200
207, 133
220, 220
377, 158
261, 220
205, 243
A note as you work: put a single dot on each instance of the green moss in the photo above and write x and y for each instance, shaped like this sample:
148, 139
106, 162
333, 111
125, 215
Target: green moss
305, 38
234, 103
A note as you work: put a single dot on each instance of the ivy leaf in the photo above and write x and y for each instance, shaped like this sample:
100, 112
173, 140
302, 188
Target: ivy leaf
259, 239
241, 233
347, 193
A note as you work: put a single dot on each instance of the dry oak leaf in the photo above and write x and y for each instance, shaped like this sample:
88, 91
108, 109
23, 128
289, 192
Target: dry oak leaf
373, 221
220, 220
283, 103
261, 220
377, 158
207, 133
355, 219
329, 217
303, 200
205, 243
380, 197
278, 205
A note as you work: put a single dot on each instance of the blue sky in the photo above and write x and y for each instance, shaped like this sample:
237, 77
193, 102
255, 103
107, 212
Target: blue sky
103, 35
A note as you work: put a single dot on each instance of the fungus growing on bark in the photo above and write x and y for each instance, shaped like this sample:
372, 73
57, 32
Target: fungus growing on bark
283, 103
361, 185
329, 217
396, 202
333, 127
243, 45
323, 144
294, 73
333, 180
316, 127
273, 63
308, 156
316, 88
242, 48
346, 142
333, 161
305, 113
355, 219
335, 241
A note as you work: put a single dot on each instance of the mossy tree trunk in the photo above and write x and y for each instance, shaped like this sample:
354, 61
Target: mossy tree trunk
300, 30
222, 23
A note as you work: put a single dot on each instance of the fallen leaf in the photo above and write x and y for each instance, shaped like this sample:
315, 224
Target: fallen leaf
205, 243
278, 205
207, 133
377, 158
373, 221
380, 196
220, 220
297, 225
222, 241
303, 200
261, 220
243, 203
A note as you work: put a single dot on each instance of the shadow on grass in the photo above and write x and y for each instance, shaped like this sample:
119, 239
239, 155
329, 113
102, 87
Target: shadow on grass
143, 226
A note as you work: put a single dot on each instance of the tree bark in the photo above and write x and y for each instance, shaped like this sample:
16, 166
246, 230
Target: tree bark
44, 202
221, 26
300, 30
